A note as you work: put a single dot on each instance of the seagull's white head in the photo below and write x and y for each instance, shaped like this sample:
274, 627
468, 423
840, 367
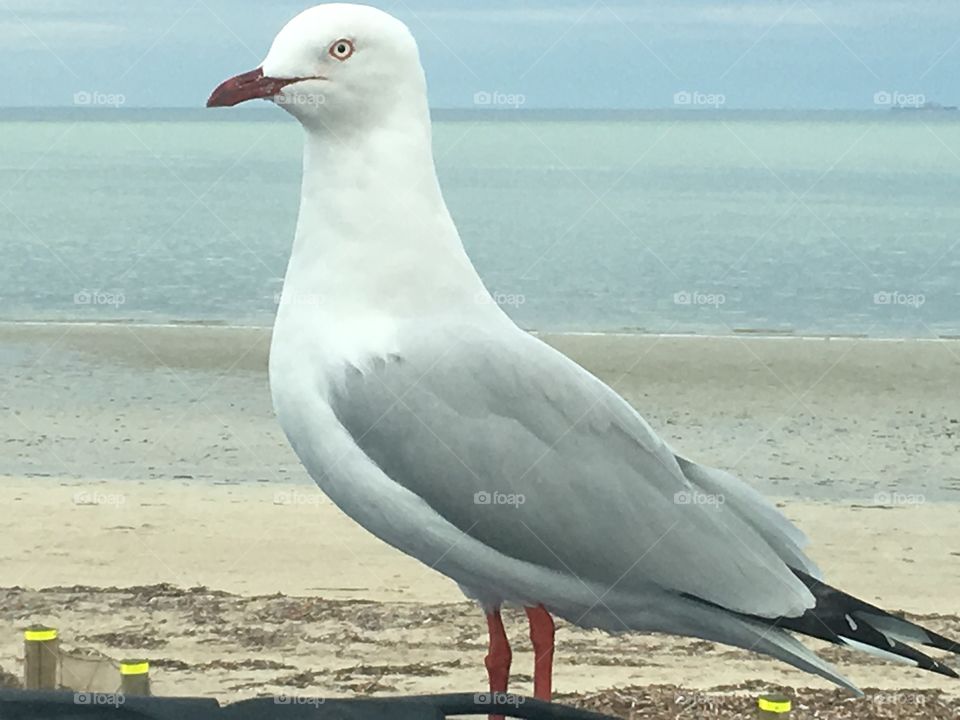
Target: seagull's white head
334, 64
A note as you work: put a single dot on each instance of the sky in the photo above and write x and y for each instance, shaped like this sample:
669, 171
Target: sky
608, 54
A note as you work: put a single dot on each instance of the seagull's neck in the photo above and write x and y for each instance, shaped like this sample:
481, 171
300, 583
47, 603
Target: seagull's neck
374, 235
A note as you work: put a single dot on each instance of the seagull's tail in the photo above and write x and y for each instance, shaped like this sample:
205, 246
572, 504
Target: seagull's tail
844, 620
691, 617
783, 646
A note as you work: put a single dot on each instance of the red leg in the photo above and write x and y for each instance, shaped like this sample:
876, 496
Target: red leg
541, 634
498, 658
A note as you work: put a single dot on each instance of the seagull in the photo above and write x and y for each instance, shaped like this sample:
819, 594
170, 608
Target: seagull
437, 424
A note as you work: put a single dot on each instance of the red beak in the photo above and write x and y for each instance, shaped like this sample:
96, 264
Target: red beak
246, 86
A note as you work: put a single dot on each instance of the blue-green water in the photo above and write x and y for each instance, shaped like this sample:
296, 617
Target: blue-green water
662, 222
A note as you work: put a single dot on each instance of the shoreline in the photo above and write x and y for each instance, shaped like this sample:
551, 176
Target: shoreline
743, 333
882, 500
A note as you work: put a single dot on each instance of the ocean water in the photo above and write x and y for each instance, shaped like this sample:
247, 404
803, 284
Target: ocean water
660, 222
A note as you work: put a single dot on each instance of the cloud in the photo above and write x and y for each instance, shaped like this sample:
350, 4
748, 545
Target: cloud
762, 13
167, 53
41, 34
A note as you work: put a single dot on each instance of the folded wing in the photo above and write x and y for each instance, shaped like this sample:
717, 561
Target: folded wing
525, 451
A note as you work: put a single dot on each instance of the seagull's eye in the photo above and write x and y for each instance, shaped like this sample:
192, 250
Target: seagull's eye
342, 49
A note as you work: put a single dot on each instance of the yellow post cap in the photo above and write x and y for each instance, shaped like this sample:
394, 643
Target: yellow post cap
39, 634
769, 704
140, 667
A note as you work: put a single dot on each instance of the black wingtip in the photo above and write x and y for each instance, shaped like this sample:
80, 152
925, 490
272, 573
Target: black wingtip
924, 662
904, 629
843, 619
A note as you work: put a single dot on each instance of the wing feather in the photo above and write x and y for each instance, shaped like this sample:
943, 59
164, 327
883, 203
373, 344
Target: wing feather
527, 452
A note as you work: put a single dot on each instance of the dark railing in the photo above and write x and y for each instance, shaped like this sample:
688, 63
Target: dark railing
67, 705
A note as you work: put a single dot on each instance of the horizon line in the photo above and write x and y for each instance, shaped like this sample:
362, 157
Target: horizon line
484, 109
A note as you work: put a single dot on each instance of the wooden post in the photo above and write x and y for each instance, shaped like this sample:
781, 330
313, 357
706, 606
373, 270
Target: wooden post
774, 706
41, 655
135, 677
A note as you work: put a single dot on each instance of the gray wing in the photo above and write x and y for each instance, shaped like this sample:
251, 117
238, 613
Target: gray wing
525, 451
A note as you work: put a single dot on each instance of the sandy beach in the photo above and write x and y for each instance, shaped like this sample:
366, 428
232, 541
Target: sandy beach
154, 508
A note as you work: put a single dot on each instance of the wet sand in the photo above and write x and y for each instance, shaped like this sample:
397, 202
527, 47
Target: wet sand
817, 418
